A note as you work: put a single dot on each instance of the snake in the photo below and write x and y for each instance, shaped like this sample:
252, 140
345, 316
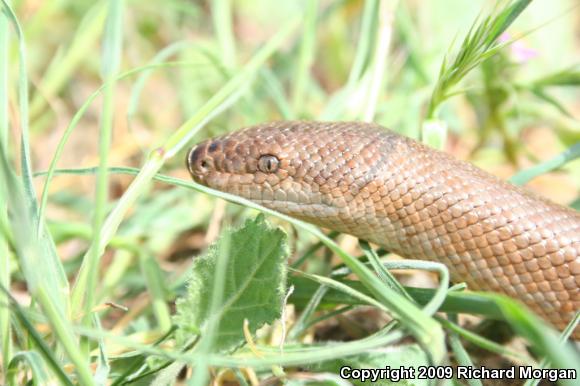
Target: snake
364, 180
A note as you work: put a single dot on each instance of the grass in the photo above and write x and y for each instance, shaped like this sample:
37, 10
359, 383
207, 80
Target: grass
90, 268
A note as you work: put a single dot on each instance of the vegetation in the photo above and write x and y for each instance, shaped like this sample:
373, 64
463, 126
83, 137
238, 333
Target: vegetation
115, 268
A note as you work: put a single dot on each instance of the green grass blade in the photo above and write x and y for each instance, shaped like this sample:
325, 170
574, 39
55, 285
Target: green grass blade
276, 90
291, 357
5, 330
220, 101
455, 302
36, 269
306, 56
25, 162
112, 44
366, 81
479, 44
482, 342
156, 287
112, 41
303, 320
4, 84
378, 65
568, 331
363, 50
328, 60
381, 271
424, 328
54, 269
80, 49
189, 128
567, 77
341, 287
80, 114
461, 356
363, 55
526, 324
505, 19
223, 26
409, 33
35, 363
39, 19
427, 332
5, 281
207, 341
537, 333
524, 176
45, 350
103, 368
157, 60
546, 97
439, 296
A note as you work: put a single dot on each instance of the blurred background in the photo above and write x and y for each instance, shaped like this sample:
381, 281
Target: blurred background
511, 112
498, 123
64, 49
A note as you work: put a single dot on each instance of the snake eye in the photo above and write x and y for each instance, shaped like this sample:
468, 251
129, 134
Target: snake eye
268, 164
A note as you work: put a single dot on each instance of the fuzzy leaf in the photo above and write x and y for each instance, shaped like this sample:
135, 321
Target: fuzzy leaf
253, 288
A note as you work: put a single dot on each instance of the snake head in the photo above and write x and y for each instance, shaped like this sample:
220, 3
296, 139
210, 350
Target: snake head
248, 163
305, 170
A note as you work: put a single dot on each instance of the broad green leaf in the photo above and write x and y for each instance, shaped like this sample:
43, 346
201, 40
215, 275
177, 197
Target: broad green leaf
253, 288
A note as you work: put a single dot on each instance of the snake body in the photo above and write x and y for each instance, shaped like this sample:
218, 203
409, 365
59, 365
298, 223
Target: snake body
361, 179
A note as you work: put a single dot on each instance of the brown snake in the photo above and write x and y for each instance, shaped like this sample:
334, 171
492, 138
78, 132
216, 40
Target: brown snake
361, 179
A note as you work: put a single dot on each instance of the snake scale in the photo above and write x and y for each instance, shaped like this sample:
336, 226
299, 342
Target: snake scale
361, 179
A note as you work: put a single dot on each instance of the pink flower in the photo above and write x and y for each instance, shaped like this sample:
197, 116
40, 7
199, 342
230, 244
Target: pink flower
519, 51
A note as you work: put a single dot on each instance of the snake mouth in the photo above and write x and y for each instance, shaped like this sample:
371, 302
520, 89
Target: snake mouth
297, 208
